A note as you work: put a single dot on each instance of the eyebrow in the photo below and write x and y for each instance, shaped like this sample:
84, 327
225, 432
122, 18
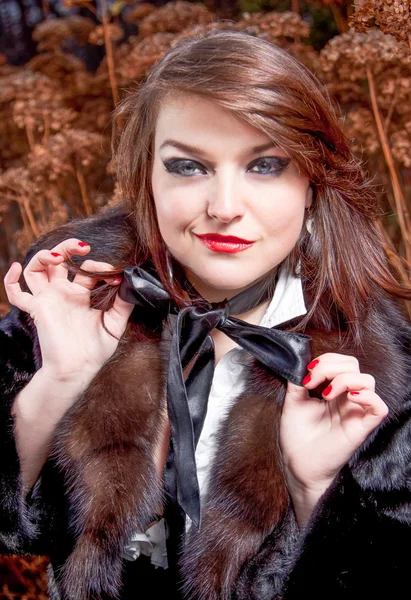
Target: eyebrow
200, 152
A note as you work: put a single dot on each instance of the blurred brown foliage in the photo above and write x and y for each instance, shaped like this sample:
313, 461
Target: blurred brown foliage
55, 115
23, 578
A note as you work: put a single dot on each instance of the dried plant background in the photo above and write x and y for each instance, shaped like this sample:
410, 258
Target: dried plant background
55, 115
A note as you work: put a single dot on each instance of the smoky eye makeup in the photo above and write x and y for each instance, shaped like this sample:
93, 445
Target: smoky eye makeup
264, 165
269, 165
184, 167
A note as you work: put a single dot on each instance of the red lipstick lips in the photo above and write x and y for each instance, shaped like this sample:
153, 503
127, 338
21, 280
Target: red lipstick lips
224, 243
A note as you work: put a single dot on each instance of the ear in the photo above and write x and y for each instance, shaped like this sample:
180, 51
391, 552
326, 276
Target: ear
309, 197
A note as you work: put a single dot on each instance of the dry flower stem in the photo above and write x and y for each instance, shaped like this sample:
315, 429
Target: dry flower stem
29, 221
91, 8
26, 225
30, 217
402, 211
47, 127
26, 214
342, 24
83, 190
30, 135
109, 52
46, 9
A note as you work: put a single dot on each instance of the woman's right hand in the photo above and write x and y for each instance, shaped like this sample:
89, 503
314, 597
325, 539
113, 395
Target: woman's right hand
74, 344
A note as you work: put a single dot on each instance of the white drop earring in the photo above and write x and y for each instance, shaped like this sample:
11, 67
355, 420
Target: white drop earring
309, 220
309, 224
170, 271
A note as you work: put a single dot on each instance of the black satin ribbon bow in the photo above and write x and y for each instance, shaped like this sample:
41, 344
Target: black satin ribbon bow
285, 353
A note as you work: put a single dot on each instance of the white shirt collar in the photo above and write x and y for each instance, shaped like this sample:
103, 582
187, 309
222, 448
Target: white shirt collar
287, 302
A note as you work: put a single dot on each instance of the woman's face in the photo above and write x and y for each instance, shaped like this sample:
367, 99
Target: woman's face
216, 175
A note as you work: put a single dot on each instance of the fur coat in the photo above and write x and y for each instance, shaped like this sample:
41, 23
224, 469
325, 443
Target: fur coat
99, 483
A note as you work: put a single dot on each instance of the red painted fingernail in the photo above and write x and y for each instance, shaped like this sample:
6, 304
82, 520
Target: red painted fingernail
82, 244
355, 393
312, 364
55, 254
117, 279
327, 391
307, 379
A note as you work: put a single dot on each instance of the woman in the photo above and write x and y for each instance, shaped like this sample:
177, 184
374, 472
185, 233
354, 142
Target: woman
242, 198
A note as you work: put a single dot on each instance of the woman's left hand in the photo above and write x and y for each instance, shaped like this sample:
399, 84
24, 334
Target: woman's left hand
318, 436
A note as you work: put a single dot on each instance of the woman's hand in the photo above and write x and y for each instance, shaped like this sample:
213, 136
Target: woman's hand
318, 436
73, 342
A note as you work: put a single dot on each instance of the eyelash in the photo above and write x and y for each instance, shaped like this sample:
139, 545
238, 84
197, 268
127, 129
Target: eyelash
175, 166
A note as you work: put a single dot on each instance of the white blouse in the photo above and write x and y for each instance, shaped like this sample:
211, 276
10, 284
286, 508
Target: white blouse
228, 382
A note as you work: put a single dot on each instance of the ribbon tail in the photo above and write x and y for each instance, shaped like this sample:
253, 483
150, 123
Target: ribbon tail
284, 352
181, 425
198, 385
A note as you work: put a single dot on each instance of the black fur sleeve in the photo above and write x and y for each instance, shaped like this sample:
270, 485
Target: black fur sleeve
356, 546
18, 362
357, 543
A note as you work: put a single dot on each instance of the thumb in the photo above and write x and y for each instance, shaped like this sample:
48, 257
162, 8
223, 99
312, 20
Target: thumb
296, 394
120, 312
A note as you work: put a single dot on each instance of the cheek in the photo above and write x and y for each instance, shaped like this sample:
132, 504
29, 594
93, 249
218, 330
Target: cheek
166, 201
173, 210
284, 215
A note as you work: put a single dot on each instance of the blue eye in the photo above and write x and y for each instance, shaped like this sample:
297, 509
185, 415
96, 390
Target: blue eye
270, 165
184, 167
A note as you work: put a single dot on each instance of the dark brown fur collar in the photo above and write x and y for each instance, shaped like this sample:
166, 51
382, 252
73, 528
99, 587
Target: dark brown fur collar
105, 445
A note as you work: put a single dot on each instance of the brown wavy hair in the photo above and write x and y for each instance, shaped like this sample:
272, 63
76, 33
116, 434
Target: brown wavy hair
343, 261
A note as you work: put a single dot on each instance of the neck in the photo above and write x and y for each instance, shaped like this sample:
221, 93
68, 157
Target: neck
212, 294
254, 315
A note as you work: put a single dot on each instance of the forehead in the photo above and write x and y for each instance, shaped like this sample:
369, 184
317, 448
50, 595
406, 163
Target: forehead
201, 121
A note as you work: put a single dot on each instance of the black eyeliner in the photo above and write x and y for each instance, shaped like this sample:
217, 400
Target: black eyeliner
173, 165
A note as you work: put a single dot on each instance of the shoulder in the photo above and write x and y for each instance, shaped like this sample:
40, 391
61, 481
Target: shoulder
387, 348
387, 318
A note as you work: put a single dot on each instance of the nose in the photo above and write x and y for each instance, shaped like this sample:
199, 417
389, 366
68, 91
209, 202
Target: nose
225, 202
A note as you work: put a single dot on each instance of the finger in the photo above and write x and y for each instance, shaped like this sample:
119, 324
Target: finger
93, 266
67, 248
349, 382
371, 402
296, 392
46, 265
297, 395
119, 314
298, 402
37, 272
14, 292
364, 407
116, 280
327, 367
